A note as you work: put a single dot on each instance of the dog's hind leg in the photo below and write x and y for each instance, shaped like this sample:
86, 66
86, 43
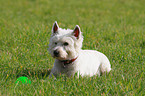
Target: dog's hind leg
105, 67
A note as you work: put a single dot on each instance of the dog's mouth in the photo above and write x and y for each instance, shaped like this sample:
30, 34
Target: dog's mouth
59, 57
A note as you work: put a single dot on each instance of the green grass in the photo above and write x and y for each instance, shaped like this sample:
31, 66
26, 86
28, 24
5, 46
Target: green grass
114, 27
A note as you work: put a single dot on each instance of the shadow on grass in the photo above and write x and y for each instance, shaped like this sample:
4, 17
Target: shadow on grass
43, 73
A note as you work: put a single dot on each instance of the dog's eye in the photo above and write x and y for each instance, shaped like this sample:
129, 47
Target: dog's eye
65, 44
55, 43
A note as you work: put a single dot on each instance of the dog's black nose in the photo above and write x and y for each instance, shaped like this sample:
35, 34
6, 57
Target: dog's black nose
56, 53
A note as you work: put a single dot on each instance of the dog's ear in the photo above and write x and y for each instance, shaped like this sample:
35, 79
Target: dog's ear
77, 31
55, 28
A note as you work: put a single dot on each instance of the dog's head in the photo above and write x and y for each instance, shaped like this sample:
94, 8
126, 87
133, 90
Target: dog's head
65, 44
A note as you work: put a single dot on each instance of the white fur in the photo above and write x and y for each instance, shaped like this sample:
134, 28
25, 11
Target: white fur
88, 62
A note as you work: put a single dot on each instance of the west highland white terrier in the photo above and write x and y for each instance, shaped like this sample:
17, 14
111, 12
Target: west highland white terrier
65, 46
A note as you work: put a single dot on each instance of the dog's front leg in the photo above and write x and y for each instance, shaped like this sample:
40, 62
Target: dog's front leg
52, 75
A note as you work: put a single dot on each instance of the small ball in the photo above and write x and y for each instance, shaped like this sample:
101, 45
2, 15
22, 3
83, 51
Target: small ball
23, 80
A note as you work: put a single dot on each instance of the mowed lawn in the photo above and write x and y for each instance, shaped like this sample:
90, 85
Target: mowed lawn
113, 27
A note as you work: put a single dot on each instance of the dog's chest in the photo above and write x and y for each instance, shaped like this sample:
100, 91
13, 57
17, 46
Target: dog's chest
68, 69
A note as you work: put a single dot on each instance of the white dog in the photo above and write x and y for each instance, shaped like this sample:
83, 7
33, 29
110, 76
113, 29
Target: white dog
65, 46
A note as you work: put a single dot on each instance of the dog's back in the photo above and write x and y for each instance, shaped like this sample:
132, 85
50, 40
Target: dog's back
92, 62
